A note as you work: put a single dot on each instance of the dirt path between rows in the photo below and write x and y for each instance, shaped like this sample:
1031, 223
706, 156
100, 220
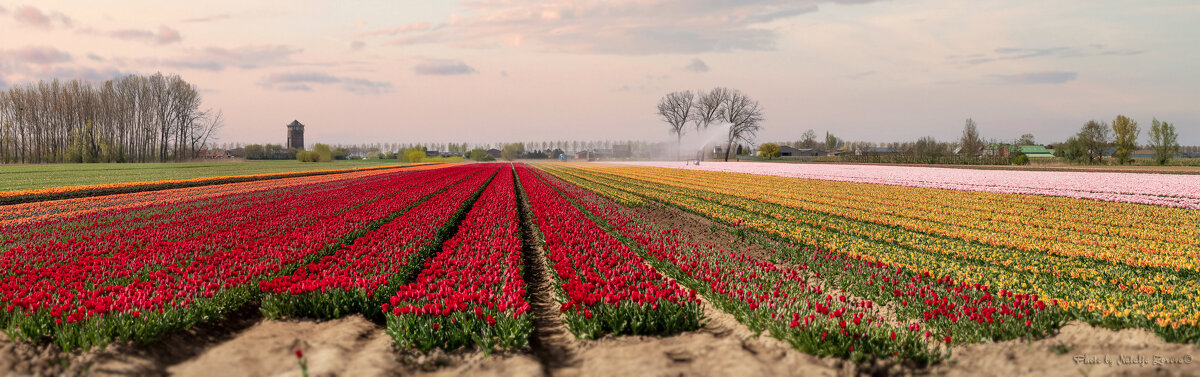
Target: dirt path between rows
551, 340
723, 347
702, 230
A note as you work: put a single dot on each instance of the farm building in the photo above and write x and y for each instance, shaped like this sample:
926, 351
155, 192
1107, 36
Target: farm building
494, 152
295, 135
1147, 154
787, 151
994, 150
875, 151
1036, 151
1142, 154
215, 154
622, 151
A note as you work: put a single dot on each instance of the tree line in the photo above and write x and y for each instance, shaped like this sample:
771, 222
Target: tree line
1094, 140
1089, 144
523, 150
134, 118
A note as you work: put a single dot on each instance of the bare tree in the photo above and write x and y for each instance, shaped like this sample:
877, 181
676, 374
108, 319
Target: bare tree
1094, 137
743, 116
1026, 139
928, 150
808, 139
676, 109
970, 141
708, 107
831, 142
205, 129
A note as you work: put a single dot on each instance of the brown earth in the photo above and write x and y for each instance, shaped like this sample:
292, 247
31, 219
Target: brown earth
723, 347
703, 231
1077, 350
353, 346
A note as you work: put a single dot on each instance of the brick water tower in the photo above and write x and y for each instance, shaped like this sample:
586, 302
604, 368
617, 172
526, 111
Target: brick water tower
295, 135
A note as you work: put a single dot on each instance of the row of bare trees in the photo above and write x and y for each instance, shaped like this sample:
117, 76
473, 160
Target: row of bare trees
720, 106
128, 119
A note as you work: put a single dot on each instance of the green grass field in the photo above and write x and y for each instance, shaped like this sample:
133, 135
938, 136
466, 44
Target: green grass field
29, 177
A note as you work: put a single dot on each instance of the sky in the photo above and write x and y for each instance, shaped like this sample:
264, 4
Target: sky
488, 71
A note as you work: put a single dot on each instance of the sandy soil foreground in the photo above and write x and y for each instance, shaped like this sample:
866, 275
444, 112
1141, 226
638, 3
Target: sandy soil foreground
354, 346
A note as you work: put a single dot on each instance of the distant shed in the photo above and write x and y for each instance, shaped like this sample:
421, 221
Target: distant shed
787, 151
1036, 151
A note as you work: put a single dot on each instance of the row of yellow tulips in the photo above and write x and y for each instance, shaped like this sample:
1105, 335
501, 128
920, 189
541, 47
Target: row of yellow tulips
938, 212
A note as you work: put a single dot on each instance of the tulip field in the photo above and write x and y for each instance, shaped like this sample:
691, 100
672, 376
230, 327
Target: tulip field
859, 264
1172, 190
1116, 264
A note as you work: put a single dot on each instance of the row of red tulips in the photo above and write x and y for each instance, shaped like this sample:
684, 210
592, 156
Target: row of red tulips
605, 286
67, 209
65, 192
473, 292
192, 268
100, 259
359, 276
138, 213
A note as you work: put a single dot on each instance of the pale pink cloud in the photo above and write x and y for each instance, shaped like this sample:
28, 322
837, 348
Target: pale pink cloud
38, 55
94, 75
165, 35
304, 81
31, 73
443, 67
34, 17
406, 28
621, 27
697, 65
252, 56
215, 58
208, 18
